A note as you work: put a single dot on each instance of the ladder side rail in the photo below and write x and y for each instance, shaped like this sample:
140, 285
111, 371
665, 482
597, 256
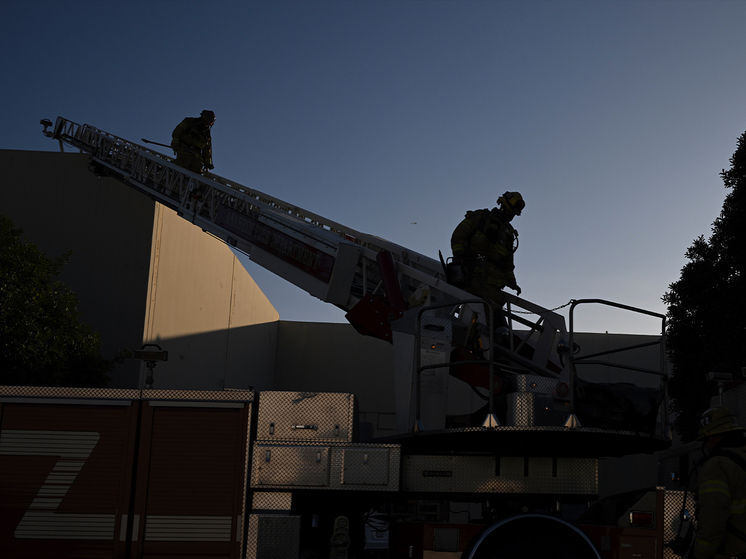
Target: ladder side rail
125, 165
219, 194
127, 158
117, 174
292, 226
166, 179
89, 138
371, 241
279, 205
71, 133
132, 162
111, 148
63, 127
211, 227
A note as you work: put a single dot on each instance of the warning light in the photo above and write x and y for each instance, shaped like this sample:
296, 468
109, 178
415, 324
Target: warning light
641, 518
563, 390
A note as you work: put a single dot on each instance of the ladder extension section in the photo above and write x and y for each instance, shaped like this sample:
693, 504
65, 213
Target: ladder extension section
355, 271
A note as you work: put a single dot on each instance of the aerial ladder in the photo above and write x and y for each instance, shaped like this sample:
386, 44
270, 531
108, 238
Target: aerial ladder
387, 291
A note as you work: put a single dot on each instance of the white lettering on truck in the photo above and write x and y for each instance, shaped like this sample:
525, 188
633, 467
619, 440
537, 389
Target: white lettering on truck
41, 520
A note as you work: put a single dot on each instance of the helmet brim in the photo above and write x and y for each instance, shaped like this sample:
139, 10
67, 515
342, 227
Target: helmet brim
720, 431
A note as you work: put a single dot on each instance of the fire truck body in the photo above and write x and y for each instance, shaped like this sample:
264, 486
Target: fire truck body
133, 474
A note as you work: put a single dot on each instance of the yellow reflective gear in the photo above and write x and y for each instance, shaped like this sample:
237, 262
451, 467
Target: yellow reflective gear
738, 506
484, 240
721, 496
192, 143
714, 486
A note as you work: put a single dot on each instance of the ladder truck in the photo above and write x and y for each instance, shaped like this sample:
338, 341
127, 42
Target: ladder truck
495, 448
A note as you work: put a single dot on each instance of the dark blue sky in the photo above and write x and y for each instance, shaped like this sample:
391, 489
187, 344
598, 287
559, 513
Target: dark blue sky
612, 118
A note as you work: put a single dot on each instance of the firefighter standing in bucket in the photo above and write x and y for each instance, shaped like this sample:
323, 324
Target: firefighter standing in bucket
483, 245
721, 487
192, 143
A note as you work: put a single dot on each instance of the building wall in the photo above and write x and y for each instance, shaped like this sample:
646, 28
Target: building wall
61, 206
144, 275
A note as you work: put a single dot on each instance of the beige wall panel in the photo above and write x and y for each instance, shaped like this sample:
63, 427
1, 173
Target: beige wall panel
250, 305
200, 292
193, 282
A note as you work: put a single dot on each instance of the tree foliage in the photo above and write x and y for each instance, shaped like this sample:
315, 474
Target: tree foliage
42, 339
707, 305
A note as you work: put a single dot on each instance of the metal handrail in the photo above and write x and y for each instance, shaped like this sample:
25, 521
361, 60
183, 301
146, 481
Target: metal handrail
511, 352
584, 360
417, 353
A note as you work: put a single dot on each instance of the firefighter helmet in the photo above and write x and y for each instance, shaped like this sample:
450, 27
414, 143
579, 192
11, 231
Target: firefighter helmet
513, 201
209, 116
716, 421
